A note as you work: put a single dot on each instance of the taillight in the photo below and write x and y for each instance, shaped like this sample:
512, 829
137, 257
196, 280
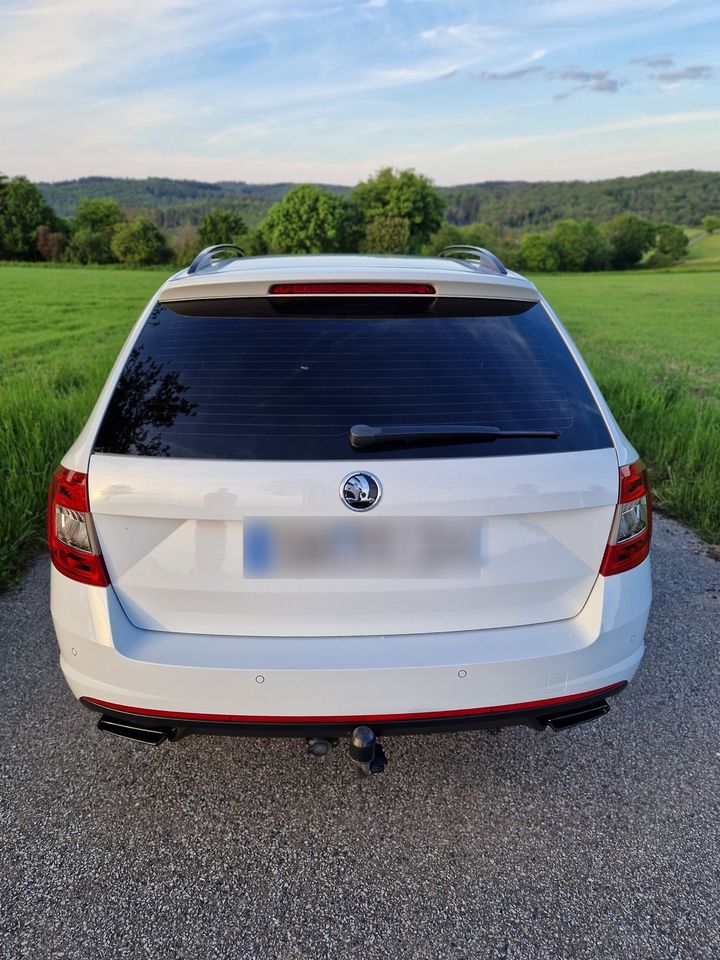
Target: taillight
73, 545
350, 289
629, 542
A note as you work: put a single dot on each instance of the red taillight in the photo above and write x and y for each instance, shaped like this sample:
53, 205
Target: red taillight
350, 289
73, 545
629, 542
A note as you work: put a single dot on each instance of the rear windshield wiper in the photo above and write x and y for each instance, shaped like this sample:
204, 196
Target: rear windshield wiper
363, 436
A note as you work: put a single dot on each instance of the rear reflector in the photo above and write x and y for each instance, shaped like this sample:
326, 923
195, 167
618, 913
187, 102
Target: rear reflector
629, 542
73, 545
355, 718
350, 289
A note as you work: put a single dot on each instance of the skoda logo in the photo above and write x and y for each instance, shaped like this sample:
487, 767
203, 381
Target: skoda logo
360, 491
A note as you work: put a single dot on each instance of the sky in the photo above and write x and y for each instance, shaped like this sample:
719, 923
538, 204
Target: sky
331, 90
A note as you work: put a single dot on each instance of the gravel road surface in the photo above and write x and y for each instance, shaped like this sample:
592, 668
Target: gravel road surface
603, 841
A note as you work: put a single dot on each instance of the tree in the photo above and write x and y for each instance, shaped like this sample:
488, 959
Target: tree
630, 237
100, 216
401, 193
50, 243
22, 210
387, 235
220, 226
448, 235
92, 231
671, 241
711, 223
598, 252
311, 220
568, 243
185, 244
479, 235
254, 243
537, 252
140, 243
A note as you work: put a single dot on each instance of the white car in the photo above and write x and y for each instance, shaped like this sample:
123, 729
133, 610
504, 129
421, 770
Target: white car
321, 495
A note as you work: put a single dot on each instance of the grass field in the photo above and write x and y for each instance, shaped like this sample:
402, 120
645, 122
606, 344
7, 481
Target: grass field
705, 250
651, 339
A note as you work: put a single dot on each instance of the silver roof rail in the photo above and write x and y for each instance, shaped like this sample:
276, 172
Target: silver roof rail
208, 256
475, 254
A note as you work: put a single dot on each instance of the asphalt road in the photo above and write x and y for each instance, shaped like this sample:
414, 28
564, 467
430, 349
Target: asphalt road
603, 841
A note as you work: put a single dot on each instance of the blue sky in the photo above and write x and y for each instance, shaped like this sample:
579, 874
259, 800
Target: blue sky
330, 90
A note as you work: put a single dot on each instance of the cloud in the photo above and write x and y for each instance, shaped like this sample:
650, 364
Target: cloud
698, 71
463, 34
657, 61
568, 10
599, 81
584, 76
515, 74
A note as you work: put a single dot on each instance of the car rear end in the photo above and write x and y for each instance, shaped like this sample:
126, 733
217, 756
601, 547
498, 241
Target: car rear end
214, 570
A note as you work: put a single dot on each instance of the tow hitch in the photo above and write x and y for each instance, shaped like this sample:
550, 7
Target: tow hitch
366, 753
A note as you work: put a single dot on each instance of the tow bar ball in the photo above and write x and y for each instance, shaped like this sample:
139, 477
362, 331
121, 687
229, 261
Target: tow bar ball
365, 752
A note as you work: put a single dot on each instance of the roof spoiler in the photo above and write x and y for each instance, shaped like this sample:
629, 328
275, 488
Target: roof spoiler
477, 255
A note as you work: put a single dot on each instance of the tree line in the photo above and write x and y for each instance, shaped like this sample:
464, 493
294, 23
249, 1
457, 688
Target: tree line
675, 196
392, 212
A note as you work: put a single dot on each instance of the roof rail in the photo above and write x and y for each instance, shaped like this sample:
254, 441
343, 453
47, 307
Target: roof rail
208, 256
477, 254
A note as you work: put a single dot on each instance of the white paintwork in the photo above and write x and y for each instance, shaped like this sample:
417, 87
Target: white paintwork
185, 647
171, 533
340, 676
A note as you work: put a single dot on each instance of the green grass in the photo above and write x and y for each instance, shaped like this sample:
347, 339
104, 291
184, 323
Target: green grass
706, 249
61, 331
652, 340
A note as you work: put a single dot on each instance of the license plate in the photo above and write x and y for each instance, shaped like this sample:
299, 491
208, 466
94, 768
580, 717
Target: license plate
360, 547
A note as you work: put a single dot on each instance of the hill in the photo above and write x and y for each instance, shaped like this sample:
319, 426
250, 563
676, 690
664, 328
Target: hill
682, 196
678, 196
171, 202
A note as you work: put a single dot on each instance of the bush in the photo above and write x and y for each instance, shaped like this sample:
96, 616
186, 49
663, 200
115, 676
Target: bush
93, 228
671, 241
711, 223
538, 253
220, 226
387, 235
254, 243
185, 244
50, 243
657, 260
630, 237
88, 246
140, 243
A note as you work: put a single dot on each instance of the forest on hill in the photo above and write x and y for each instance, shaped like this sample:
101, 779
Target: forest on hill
682, 196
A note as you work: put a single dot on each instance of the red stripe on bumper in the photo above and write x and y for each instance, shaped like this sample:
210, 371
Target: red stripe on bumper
359, 718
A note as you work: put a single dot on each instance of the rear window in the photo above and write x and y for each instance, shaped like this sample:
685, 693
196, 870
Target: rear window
257, 379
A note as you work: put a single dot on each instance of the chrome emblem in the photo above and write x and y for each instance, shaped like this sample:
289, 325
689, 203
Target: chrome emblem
360, 491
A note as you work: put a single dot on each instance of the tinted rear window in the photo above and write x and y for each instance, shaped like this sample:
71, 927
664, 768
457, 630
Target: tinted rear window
254, 379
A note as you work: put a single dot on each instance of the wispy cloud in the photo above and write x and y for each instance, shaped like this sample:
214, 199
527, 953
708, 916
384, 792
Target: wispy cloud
566, 11
516, 74
657, 61
468, 35
598, 81
698, 71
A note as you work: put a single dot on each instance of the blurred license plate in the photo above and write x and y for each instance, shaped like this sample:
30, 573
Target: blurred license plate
360, 547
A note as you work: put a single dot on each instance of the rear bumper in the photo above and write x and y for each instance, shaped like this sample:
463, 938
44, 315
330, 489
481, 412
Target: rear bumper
265, 686
536, 715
